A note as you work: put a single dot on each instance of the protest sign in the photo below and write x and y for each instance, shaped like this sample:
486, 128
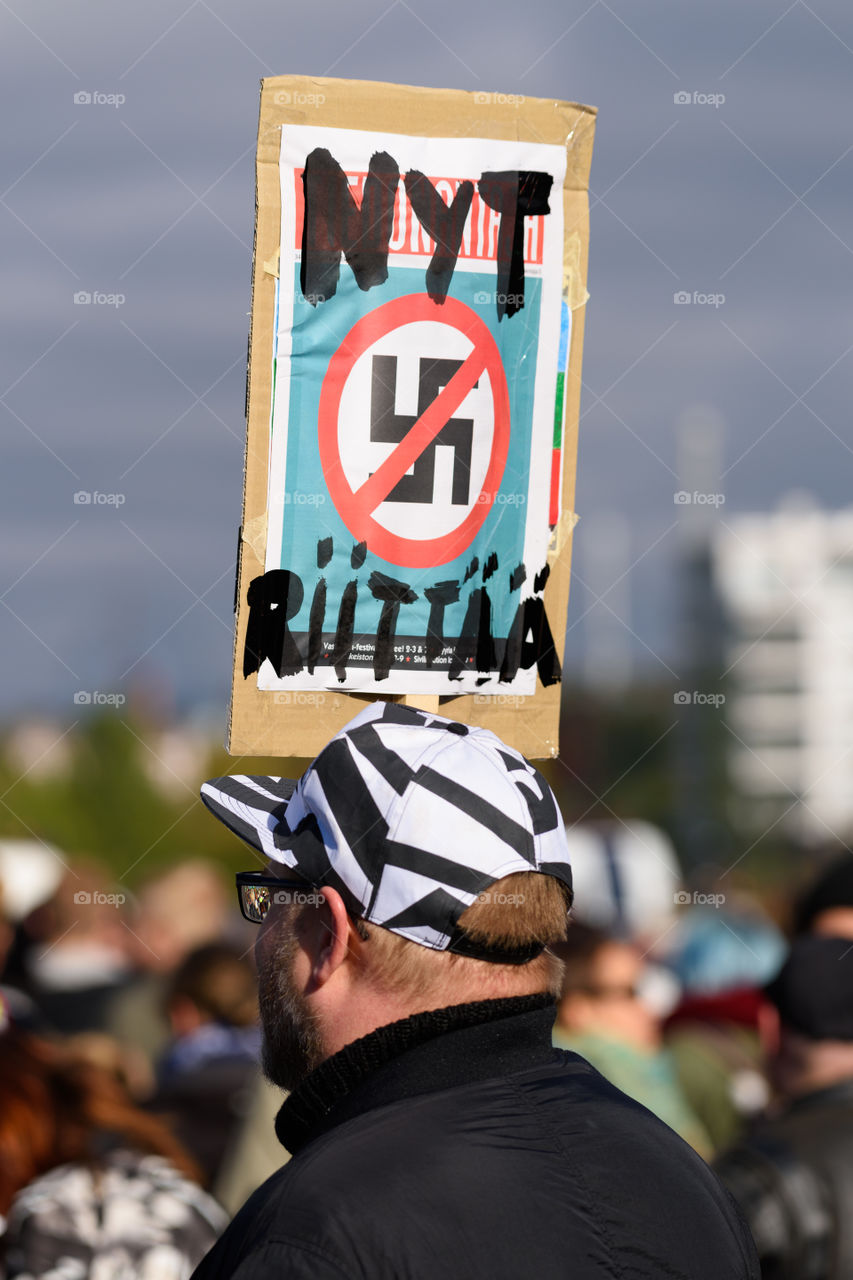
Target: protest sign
417, 326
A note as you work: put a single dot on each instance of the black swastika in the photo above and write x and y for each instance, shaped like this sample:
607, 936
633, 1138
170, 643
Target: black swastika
388, 427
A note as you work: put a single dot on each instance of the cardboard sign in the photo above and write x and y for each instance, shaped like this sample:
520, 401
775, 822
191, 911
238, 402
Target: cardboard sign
412, 409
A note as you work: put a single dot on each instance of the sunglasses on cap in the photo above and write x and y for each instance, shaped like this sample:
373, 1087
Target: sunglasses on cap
258, 892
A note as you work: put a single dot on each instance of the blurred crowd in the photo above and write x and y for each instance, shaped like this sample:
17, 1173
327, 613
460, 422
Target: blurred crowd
135, 1120
735, 1028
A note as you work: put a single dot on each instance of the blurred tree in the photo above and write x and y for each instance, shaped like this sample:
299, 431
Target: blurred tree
616, 759
613, 756
106, 805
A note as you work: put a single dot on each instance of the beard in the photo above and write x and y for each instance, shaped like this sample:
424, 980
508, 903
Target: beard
291, 1046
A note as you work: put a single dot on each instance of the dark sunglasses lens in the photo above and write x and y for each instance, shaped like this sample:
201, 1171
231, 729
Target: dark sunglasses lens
256, 901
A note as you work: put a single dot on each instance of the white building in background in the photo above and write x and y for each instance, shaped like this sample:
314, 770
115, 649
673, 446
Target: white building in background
786, 584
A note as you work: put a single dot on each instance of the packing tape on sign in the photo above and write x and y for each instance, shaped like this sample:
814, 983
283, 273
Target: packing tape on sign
562, 530
573, 290
271, 266
255, 535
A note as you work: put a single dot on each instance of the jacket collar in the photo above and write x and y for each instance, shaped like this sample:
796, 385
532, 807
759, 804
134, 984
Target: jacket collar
421, 1054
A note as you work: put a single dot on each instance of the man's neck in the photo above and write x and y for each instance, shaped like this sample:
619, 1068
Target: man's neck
426, 1051
349, 1014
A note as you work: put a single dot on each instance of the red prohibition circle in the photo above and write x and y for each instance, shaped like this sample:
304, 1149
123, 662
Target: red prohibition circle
353, 506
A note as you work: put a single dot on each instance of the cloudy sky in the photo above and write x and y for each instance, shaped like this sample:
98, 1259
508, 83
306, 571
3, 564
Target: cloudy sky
742, 193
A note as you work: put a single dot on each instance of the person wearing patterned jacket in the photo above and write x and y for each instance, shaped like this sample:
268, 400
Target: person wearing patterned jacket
90, 1185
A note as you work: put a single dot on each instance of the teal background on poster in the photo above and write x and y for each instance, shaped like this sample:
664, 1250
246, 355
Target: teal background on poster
309, 513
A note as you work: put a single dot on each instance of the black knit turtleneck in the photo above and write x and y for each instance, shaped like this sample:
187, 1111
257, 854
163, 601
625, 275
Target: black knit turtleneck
345, 1084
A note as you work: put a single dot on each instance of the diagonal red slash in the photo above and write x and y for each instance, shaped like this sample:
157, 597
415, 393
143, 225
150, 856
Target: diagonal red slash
356, 506
377, 487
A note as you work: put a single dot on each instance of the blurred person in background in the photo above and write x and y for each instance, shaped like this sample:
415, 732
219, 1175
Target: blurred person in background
161, 934
723, 951
254, 1151
601, 1015
89, 1184
30, 873
628, 884
626, 876
826, 905
207, 1073
8, 995
76, 957
211, 1088
707, 954
793, 1173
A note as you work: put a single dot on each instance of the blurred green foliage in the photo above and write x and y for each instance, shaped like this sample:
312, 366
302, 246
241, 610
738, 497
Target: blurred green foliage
105, 804
619, 759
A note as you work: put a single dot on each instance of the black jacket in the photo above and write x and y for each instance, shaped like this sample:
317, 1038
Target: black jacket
793, 1178
461, 1144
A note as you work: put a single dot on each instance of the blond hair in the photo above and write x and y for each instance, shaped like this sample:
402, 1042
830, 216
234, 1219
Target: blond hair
515, 912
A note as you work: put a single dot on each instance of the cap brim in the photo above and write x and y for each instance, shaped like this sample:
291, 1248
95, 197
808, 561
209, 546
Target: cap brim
251, 807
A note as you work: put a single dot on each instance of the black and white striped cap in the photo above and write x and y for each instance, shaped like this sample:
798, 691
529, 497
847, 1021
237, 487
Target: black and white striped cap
409, 816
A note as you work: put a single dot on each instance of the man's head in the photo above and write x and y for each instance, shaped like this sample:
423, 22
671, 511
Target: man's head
423, 863
601, 989
813, 999
826, 906
214, 984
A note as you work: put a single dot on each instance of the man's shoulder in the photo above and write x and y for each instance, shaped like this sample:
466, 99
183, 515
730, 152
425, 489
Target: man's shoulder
568, 1086
503, 1176
556, 1135
562, 1114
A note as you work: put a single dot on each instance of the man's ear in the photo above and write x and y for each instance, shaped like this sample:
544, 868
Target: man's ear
332, 938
